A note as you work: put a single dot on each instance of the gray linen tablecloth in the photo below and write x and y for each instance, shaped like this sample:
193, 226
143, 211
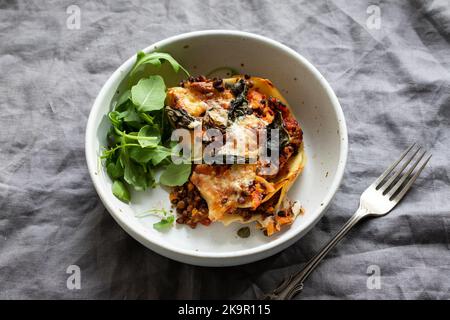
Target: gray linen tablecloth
392, 77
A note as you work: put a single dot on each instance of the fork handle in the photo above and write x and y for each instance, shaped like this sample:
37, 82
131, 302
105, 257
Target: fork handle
294, 283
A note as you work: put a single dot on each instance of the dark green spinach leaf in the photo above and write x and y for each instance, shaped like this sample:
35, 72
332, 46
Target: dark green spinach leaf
283, 135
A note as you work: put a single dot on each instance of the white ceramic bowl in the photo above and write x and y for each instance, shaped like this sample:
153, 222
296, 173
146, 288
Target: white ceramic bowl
315, 106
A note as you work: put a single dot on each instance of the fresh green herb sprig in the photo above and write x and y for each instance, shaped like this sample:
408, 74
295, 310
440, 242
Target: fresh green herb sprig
166, 221
138, 140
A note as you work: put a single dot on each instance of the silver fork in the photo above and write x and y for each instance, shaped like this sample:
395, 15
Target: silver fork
378, 200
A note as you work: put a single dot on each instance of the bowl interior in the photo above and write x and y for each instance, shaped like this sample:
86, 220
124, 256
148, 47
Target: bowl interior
314, 105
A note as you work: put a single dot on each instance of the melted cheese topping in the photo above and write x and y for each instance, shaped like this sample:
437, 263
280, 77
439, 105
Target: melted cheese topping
217, 115
224, 190
196, 102
242, 137
186, 99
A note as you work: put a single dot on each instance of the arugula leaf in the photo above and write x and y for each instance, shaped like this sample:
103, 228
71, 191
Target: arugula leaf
119, 189
141, 155
131, 117
134, 174
126, 114
164, 223
159, 154
114, 170
146, 118
124, 97
113, 138
155, 155
142, 139
115, 118
149, 132
149, 94
176, 174
154, 58
150, 176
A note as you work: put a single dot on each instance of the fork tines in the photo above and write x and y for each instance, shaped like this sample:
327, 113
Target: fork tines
393, 182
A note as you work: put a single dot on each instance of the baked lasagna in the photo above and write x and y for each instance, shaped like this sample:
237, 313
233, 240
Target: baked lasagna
245, 187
